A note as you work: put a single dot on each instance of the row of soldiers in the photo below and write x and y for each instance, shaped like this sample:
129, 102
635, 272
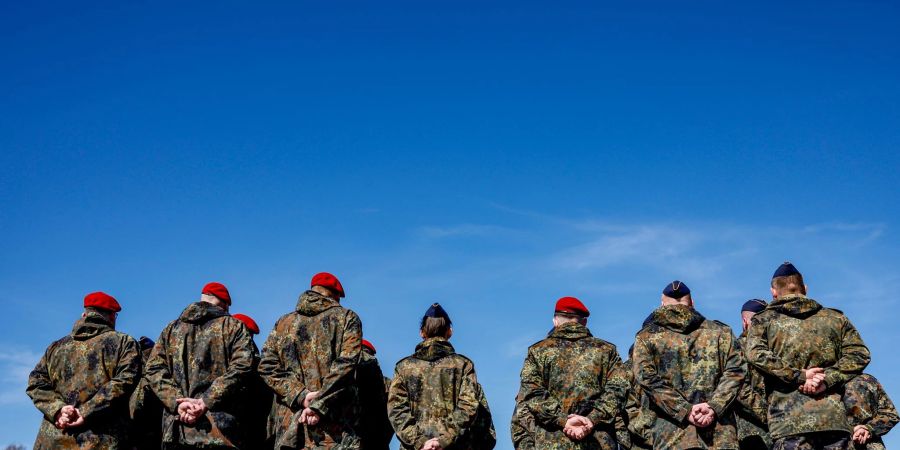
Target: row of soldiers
793, 380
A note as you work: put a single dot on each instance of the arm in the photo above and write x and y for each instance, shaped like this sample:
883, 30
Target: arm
519, 429
343, 368
159, 374
660, 391
42, 389
760, 356
240, 365
463, 415
545, 409
733, 374
611, 401
854, 357
126, 376
750, 398
885, 414
286, 383
400, 414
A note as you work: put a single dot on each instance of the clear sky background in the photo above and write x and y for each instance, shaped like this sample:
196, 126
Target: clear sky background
492, 156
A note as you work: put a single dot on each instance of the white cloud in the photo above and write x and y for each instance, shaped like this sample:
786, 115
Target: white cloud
15, 365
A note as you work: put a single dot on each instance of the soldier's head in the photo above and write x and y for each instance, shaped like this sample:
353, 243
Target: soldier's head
570, 310
328, 285
368, 347
216, 294
787, 280
436, 323
749, 309
248, 322
103, 304
677, 293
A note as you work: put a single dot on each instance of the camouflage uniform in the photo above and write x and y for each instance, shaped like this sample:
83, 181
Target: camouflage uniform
146, 412
522, 427
205, 354
750, 410
258, 399
375, 430
867, 404
95, 368
315, 348
682, 359
792, 334
638, 416
572, 372
434, 394
482, 435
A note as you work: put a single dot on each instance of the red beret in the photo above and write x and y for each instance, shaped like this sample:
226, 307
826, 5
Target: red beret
101, 300
328, 280
251, 324
369, 346
571, 305
218, 290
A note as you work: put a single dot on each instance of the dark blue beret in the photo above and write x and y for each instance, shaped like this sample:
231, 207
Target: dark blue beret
437, 311
785, 270
146, 342
676, 289
755, 305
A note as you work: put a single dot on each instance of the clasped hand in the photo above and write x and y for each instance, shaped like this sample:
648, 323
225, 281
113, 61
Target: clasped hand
190, 409
578, 427
68, 417
701, 415
308, 416
815, 381
861, 434
432, 444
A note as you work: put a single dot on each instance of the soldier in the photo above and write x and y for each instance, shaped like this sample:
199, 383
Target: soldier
375, 430
870, 411
309, 361
435, 398
522, 426
197, 369
573, 384
750, 409
145, 408
638, 416
82, 383
807, 354
258, 397
691, 371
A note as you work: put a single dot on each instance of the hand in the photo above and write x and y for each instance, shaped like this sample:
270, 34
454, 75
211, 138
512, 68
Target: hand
63, 416
309, 398
861, 434
577, 427
815, 376
701, 415
309, 417
190, 409
432, 444
78, 419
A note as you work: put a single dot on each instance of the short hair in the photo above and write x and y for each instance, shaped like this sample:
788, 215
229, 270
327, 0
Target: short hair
791, 284
434, 326
566, 317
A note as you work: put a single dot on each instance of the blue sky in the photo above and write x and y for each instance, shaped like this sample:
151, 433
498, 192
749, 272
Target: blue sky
492, 157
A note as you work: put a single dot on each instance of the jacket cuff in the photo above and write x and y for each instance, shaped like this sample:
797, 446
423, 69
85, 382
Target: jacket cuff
295, 402
717, 407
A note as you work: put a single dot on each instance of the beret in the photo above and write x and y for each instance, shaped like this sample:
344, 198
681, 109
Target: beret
436, 310
369, 346
218, 290
571, 305
785, 270
250, 323
146, 342
676, 290
328, 280
754, 305
101, 300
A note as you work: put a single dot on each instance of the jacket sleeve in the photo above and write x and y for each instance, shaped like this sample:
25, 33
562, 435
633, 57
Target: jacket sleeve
885, 414
42, 390
287, 384
463, 415
733, 375
240, 365
401, 415
159, 374
660, 391
126, 376
343, 367
759, 355
545, 409
854, 357
612, 399
750, 399
520, 430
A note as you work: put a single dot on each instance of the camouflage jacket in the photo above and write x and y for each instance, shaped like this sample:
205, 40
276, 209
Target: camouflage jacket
868, 404
522, 426
638, 417
481, 435
374, 430
572, 372
795, 333
205, 354
682, 359
257, 399
315, 348
750, 409
95, 368
434, 394
146, 413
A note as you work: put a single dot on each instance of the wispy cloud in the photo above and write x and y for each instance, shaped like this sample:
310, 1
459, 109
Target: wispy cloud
15, 365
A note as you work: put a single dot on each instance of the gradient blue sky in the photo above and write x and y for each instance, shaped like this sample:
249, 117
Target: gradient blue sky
490, 156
